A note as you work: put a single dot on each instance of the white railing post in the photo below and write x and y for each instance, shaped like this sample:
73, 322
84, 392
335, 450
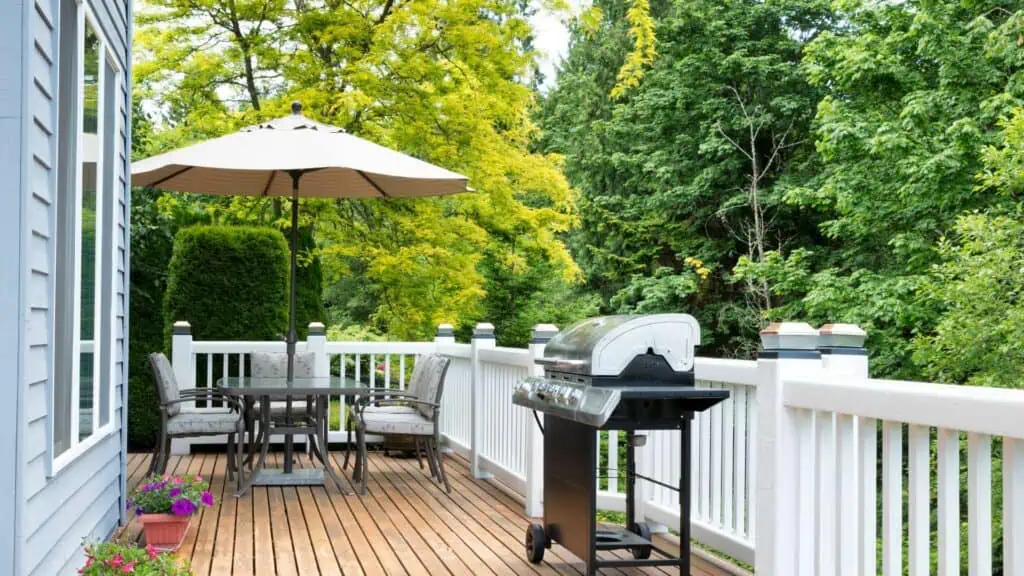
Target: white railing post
483, 337
183, 366
851, 524
316, 342
542, 334
445, 335
789, 350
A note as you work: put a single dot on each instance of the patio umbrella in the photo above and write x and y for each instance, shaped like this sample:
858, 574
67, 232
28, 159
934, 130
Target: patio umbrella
294, 156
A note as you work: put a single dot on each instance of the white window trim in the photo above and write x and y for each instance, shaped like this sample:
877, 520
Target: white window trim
99, 433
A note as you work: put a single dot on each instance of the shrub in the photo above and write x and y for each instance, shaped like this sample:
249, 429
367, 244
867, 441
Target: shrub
117, 559
229, 283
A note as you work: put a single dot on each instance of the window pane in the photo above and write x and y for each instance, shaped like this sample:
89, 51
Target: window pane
65, 238
89, 154
110, 164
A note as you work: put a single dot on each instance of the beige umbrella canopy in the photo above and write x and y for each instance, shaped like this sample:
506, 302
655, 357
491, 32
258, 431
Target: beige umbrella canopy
295, 156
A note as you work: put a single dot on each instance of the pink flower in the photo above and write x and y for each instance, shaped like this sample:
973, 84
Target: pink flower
178, 480
151, 552
166, 476
198, 478
115, 561
128, 568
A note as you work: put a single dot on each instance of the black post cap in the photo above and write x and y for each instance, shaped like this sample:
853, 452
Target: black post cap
296, 107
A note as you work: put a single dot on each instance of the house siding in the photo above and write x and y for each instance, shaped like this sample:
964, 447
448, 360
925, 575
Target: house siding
52, 514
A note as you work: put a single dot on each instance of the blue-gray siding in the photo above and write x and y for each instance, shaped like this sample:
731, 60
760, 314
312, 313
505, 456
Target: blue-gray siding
84, 500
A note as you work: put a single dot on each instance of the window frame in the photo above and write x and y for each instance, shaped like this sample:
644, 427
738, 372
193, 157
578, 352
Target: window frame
104, 305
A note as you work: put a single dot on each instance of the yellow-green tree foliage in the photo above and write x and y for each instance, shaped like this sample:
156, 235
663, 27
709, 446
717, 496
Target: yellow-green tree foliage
445, 81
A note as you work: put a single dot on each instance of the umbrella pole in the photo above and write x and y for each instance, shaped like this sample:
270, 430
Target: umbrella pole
292, 336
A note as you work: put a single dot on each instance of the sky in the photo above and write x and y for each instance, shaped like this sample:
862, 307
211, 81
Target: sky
551, 39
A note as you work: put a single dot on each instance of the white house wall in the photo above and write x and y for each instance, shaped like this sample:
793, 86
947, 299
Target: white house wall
50, 515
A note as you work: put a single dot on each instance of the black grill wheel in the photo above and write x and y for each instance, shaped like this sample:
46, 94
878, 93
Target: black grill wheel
642, 530
536, 541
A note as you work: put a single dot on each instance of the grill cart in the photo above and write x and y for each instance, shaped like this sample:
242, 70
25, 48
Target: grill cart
629, 373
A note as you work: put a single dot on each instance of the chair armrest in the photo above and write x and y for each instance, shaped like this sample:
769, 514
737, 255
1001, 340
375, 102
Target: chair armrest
231, 400
390, 402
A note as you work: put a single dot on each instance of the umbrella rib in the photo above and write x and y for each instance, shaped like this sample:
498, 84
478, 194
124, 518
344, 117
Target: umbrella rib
372, 183
170, 176
270, 181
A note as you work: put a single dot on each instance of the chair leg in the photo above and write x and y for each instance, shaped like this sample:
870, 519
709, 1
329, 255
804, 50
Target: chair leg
348, 442
418, 447
435, 474
158, 454
165, 456
231, 457
440, 465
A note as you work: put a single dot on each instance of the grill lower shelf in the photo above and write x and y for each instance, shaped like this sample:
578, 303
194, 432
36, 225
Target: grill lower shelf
617, 538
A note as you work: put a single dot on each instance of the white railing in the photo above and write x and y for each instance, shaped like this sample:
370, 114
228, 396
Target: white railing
800, 472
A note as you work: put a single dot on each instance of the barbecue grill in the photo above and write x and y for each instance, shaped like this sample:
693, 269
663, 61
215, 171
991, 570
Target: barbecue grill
612, 373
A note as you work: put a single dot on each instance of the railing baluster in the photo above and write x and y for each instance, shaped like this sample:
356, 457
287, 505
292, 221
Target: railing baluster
728, 458
824, 424
387, 371
740, 507
359, 369
705, 464
613, 461
806, 505
401, 372
695, 473
867, 485
979, 504
892, 499
1013, 506
920, 494
949, 501
715, 417
846, 498
751, 468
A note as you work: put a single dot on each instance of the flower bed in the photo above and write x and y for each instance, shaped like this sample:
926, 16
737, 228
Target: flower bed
117, 559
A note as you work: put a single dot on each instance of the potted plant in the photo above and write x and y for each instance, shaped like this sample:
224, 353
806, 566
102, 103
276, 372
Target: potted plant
165, 505
119, 558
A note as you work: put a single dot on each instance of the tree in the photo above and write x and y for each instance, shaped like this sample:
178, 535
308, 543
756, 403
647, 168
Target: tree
440, 81
684, 173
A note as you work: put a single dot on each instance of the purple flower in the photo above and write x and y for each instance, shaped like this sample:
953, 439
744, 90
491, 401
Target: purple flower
128, 505
148, 488
139, 510
174, 492
207, 498
183, 507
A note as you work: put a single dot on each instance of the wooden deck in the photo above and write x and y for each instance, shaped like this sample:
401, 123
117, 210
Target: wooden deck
405, 525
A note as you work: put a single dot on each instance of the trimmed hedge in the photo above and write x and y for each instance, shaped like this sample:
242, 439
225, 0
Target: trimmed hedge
229, 283
309, 301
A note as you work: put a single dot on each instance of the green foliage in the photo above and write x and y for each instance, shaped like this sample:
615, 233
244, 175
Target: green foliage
309, 283
229, 283
124, 557
445, 82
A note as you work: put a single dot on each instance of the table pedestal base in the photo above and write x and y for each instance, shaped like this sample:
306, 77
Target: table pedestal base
297, 477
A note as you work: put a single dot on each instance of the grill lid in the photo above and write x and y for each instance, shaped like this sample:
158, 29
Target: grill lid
606, 345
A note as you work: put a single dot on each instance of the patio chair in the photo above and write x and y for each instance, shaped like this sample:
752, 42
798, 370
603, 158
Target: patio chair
275, 365
177, 421
422, 421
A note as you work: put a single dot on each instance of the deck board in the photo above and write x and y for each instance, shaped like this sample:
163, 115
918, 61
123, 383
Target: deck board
406, 525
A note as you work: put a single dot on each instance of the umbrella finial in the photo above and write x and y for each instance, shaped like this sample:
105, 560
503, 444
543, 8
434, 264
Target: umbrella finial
296, 107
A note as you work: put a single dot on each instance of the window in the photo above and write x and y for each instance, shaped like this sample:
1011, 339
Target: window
83, 278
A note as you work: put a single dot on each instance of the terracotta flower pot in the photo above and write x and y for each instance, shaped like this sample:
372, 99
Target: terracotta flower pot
164, 531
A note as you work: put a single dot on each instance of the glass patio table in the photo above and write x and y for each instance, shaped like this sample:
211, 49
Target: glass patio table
310, 421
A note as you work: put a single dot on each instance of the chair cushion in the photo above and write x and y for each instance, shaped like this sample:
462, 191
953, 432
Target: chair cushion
201, 422
398, 423
166, 384
275, 364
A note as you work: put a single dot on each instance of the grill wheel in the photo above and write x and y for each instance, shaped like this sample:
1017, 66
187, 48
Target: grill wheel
536, 542
643, 531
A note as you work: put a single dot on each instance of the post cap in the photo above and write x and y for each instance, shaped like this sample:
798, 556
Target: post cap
841, 336
317, 329
181, 328
296, 107
445, 331
542, 333
483, 330
789, 336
